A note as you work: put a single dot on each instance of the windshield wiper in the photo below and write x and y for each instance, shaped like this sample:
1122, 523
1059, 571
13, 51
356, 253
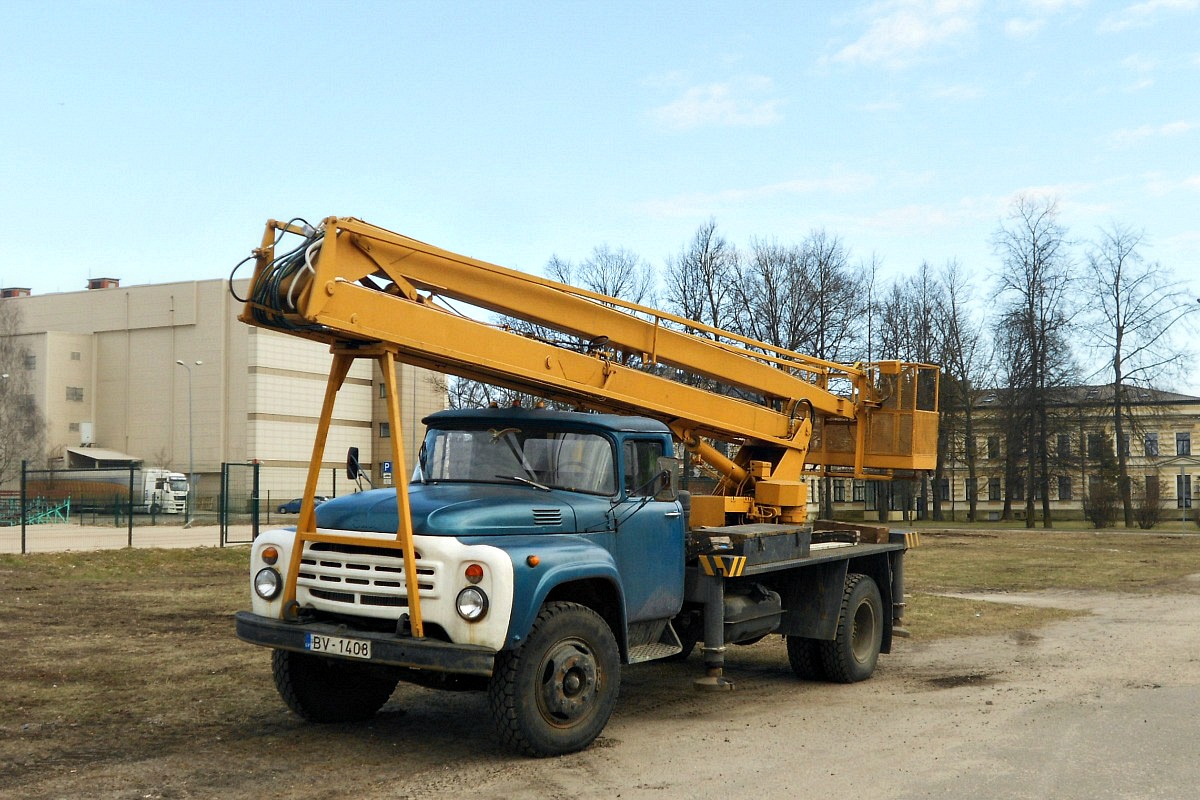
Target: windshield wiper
527, 481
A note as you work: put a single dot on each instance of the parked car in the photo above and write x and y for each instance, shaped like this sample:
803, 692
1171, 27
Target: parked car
293, 506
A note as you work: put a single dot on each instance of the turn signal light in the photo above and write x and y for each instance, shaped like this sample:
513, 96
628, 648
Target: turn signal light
269, 554
474, 573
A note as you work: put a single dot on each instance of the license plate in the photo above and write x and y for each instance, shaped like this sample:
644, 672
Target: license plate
337, 646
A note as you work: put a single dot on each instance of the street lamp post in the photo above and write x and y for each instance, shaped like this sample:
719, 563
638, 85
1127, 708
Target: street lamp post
191, 459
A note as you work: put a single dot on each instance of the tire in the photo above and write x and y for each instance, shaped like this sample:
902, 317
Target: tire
555, 693
852, 655
283, 510
155, 508
331, 690
805, 657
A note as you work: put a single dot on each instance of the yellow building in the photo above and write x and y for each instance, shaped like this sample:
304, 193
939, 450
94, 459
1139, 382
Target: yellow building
1162, 446
167, 374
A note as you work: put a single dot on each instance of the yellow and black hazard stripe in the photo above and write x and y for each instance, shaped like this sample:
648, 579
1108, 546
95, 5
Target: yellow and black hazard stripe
727, 566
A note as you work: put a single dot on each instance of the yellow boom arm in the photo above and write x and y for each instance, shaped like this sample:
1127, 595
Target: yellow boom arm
365, 290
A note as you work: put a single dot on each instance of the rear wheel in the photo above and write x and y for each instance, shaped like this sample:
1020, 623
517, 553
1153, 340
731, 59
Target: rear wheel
331, 690
805, 657
853, 653
555, 693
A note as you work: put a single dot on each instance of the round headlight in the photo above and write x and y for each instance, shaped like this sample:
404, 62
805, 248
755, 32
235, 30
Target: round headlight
267, 583
472, 603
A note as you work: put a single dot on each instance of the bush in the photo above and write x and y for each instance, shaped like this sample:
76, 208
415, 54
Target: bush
1101, 503
1148, 507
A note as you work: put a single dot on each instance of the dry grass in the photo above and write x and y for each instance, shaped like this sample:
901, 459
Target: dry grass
119, 650
121, 654
965, 562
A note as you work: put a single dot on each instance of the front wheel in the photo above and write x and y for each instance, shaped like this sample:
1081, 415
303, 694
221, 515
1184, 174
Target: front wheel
555, 693
323, 689
852, 655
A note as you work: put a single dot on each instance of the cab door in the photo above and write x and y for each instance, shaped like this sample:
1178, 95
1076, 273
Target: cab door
649, 535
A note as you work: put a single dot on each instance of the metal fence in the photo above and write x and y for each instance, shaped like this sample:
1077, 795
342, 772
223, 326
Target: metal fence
84, 509
240, 508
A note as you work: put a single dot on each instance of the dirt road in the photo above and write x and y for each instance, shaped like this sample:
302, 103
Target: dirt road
1100, 706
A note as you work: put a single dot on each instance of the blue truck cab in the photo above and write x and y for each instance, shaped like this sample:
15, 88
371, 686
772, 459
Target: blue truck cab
524, 520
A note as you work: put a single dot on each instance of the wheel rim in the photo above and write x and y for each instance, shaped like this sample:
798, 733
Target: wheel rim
568, 683
862, 640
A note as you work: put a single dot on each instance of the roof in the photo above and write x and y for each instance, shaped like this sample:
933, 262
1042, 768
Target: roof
482, 416
1100, 394
98, 457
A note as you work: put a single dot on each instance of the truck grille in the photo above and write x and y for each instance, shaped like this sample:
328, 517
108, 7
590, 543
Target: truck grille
360, 577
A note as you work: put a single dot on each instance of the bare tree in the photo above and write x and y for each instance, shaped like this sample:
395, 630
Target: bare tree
907, 316
1136, 314
22, 428
965, 367
617, 273
700, 280
1034, 293
772, 301
837, 293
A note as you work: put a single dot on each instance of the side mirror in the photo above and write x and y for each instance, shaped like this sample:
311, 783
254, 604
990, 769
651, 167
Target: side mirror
352, 468
669, 469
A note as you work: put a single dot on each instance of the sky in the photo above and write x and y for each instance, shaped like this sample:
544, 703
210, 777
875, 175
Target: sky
150, 141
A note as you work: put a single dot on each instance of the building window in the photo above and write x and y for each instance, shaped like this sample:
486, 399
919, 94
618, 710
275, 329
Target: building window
30, 361
383, 391
385, 430
76, 355
994, 494
1064, 488
858, 491
993, 447
1153, 490
1064, 445
1151, 445
75, 394
1183, 491
944, 489
1125, 444
1183, 443
839, 490
1018, 489
73, 427
1095, 445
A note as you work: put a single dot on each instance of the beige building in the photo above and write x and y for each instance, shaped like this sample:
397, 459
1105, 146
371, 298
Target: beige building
1162, 450
105, 373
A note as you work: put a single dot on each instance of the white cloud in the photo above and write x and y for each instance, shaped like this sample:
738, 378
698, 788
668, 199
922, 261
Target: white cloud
928, 218
699, 204
1021, 28
1143, 14
902, 32
742, 102
1054, 6
959, 92
1158, 185
1128, 136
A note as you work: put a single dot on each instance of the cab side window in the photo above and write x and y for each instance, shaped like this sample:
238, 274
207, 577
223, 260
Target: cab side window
641, 466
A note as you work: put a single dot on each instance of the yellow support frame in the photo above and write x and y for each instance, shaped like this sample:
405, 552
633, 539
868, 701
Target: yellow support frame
306, 530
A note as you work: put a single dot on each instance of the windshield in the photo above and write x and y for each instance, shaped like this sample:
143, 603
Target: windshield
179, 485
551, 458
